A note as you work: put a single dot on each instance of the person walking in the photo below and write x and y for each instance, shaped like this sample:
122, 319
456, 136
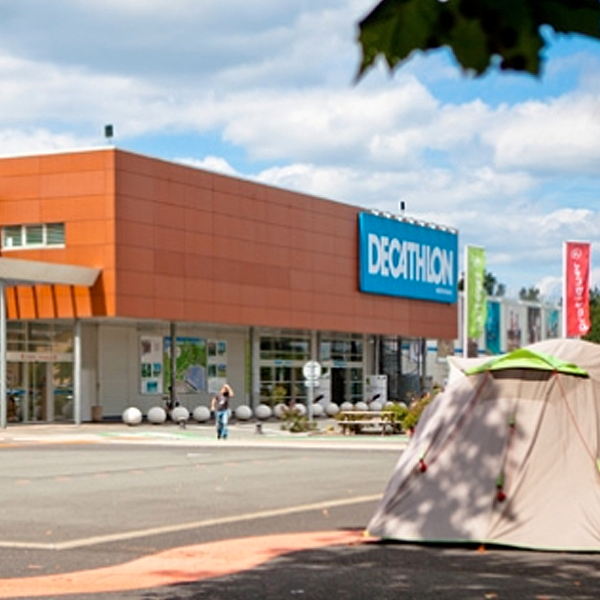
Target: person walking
220, 406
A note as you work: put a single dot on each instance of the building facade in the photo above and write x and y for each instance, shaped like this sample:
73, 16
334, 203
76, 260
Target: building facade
123, 275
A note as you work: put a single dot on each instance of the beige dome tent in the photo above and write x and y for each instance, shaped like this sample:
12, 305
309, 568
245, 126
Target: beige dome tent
508, 454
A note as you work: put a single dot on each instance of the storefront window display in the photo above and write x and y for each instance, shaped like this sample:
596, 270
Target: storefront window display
282, 358
281, 362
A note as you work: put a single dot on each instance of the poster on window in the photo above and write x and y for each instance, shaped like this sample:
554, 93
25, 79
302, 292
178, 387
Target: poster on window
534, 324
552, 323
376, 388
151, 364
216, 364
514, 322
492, 328
190, 364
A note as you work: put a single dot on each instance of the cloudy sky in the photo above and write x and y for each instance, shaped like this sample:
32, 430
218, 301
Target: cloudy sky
265, 90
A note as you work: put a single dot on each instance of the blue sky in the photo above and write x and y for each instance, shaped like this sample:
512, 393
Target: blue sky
265, 90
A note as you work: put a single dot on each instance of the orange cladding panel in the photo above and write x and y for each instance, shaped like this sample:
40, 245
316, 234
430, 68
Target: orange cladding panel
177, 243
231, 251
76, 189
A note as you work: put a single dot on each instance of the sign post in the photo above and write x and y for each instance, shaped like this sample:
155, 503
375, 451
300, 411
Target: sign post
311, 371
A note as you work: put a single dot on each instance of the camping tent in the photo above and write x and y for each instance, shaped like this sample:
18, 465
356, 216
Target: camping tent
508, 454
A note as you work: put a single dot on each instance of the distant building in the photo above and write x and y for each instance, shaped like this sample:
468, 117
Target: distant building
510, 324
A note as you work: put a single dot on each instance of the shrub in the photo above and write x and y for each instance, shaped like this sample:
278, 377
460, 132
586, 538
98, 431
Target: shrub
295, 422
415, 410
395, 415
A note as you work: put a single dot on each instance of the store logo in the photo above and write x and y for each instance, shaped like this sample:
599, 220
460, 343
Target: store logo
407, 259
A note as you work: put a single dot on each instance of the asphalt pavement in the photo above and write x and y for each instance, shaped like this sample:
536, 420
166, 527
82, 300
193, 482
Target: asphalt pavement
151, 512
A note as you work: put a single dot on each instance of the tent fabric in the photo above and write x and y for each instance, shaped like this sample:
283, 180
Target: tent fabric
506, 457
525, 358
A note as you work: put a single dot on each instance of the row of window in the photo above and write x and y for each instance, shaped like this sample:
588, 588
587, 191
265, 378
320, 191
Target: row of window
282, 358
35, 336
348, 349
33, 236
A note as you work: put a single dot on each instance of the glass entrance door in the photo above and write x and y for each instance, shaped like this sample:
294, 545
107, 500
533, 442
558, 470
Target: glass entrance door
36, 398
39, 392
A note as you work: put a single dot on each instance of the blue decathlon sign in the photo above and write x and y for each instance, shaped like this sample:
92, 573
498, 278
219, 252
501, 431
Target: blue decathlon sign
399, 258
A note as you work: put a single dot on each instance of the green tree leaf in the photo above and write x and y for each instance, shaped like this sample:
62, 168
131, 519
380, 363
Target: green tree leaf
480, 33
593, 335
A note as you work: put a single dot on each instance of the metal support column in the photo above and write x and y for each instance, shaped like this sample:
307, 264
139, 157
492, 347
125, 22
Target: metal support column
77, 372
173, 392
314, 355
254, 368
3, 406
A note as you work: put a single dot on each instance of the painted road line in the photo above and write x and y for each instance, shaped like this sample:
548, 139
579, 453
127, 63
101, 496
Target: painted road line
177, 527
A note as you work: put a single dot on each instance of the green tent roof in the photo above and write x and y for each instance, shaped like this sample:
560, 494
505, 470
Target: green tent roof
524, 358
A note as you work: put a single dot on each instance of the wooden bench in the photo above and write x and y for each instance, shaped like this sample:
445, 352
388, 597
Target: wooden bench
362, 421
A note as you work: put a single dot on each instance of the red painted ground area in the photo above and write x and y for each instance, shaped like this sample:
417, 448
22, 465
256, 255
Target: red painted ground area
178, 565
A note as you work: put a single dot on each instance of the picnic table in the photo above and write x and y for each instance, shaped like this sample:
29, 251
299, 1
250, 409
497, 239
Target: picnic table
363, 421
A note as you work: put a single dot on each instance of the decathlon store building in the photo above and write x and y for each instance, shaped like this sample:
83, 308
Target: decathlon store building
111, 260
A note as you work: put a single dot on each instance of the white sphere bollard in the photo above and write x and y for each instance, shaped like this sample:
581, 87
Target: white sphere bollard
390, 404
317, 410
201, 414
347, 406
180, 414
279, 410
263, 412
300, 409
243, 413
361, 406
375, 405
332, 409
132, 416
157, 415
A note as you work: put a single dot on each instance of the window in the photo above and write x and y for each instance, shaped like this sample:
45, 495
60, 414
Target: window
342, 348
33, 236
12, 237
285, 348
55, 234
281, 360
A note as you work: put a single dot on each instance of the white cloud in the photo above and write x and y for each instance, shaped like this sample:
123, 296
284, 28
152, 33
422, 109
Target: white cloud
25, 142
558, 135
210, 163
264, 90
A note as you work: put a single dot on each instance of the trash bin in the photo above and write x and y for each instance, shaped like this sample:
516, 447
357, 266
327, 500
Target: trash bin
96, 413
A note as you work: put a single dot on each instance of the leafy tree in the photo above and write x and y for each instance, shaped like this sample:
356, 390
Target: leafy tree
531, 294
593, 335
490, 283
480, 33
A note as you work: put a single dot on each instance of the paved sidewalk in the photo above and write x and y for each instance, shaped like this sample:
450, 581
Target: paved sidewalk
265, 434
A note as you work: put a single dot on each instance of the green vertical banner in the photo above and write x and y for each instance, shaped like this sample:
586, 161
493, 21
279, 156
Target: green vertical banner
476, 296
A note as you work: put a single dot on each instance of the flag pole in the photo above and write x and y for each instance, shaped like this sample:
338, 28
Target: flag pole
465, 315
564, 291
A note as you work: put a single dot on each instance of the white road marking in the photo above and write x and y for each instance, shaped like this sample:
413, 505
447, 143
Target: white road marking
129, 535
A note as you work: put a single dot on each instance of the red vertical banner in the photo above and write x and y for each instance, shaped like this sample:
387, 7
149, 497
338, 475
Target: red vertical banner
577, 289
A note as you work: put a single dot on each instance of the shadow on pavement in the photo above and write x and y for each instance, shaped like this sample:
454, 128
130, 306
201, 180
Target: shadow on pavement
380, 571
